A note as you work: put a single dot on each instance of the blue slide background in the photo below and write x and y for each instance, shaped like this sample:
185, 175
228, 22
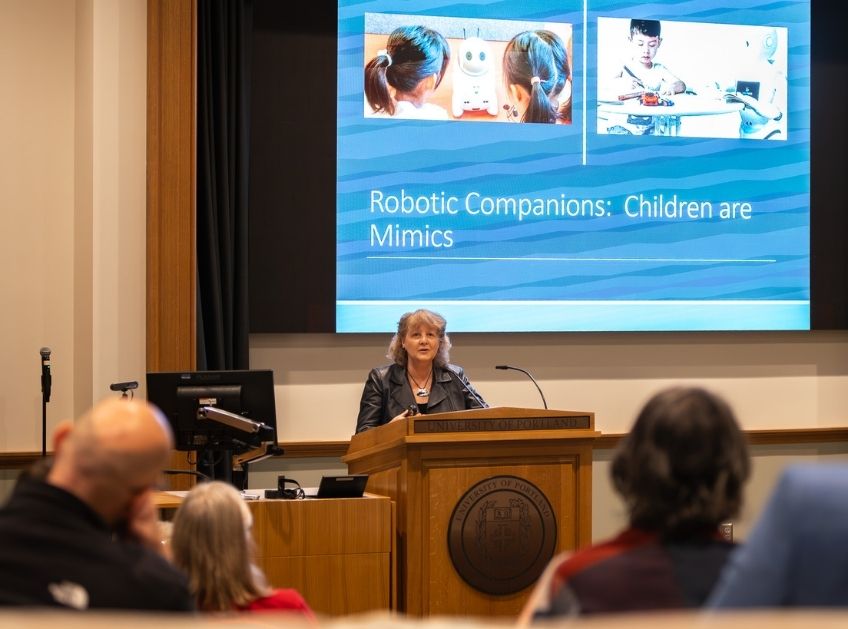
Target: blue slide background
607, 273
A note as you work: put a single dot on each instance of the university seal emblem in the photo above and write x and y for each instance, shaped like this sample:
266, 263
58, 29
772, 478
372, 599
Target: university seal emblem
502, 534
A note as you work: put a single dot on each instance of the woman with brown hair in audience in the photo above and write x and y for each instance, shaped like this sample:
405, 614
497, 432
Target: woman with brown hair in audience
212, 543
680, 471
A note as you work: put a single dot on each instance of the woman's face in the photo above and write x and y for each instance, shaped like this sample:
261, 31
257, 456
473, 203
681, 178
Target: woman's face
421, 343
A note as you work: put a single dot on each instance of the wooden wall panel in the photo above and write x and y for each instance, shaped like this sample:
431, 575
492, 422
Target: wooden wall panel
335, 585
171, 128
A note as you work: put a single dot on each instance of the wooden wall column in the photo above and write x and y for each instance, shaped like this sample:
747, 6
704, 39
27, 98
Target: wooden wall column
171, 134
171, 199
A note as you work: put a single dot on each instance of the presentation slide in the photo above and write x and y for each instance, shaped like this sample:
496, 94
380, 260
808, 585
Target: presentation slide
574, 166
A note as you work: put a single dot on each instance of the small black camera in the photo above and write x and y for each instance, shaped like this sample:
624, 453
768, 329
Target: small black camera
123, 386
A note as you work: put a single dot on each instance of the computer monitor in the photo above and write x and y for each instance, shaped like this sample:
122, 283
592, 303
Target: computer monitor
216, 411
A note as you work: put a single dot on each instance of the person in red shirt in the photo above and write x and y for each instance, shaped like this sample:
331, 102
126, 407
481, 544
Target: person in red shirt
212, 543
681, 471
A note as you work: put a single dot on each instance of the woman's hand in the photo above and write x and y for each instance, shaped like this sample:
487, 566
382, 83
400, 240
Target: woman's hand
406, 413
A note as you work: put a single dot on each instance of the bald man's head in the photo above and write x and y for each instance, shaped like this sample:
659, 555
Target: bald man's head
111, 454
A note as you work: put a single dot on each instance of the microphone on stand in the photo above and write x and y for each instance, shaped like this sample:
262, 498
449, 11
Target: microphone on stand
46, 378
527, 373
46, 382
467, 387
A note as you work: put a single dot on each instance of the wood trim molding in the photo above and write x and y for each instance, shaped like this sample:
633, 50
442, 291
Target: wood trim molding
607, 441
796, 436
171, 158
18, 460
784, 437
314, 449
337, 449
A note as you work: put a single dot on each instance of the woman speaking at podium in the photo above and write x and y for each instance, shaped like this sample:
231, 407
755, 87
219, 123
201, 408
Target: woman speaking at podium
421, 379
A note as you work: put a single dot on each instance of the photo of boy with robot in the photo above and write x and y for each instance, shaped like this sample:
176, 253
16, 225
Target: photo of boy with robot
692, 79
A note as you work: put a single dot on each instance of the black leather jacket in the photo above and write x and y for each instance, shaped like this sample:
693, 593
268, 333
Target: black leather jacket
387, 393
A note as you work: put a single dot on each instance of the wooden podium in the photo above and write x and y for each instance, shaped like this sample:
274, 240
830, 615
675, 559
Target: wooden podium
484, 498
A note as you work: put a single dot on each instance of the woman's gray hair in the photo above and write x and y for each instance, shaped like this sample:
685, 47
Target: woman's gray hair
413, 319
212, 543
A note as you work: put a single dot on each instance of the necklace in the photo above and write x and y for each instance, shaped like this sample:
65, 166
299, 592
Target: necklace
422, 391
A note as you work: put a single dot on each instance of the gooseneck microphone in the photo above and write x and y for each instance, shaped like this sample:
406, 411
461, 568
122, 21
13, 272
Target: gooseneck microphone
527, 373
466, 386
46, 378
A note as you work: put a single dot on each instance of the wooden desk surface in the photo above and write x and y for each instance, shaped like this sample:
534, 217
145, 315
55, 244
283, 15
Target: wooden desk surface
166, 500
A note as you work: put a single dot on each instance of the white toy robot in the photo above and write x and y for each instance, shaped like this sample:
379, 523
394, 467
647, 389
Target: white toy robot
473, 80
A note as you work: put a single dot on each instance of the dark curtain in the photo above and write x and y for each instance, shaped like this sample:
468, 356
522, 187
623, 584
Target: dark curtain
223, 134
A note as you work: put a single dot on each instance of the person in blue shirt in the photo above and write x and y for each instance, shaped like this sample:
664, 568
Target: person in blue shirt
796, 555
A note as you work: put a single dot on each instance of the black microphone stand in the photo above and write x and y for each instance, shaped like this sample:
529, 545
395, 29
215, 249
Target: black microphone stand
526, 373
43, 427
46, 383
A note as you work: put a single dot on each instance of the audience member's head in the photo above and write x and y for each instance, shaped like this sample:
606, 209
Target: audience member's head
683, 465
212, 543
111, 457
81, 530
680, 470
